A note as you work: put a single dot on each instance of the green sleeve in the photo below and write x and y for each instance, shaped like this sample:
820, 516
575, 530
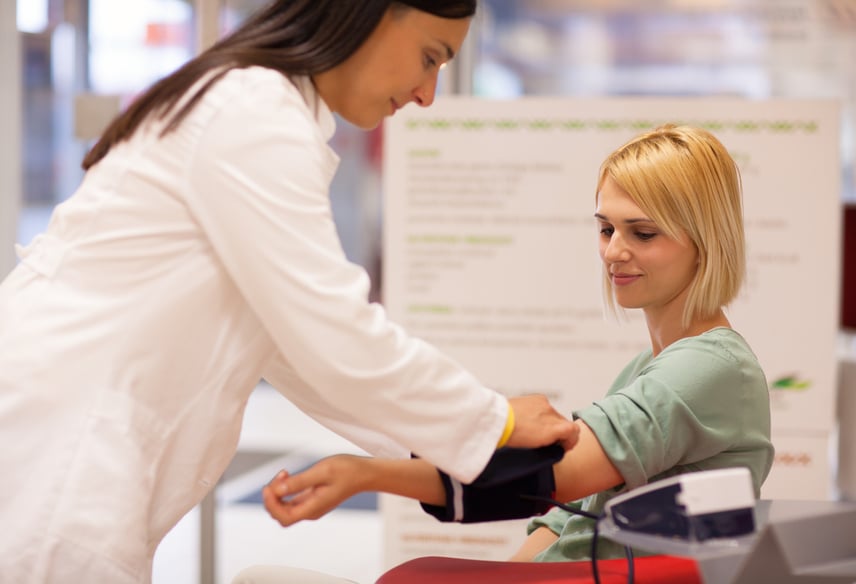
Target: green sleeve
700, 404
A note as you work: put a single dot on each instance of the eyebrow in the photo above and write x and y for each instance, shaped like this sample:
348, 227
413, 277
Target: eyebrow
449, 52
630, 221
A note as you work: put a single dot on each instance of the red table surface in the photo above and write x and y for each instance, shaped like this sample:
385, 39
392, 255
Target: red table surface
648, 570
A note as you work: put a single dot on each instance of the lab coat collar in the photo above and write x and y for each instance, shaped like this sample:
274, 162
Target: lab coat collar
318, 107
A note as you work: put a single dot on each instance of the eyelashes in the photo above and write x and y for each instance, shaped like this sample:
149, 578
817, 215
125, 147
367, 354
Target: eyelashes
640, 235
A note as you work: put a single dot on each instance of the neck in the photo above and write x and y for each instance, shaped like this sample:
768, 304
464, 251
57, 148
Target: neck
664, 331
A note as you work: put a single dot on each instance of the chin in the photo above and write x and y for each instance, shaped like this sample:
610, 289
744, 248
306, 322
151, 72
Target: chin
628, 304
371, 125
364, 122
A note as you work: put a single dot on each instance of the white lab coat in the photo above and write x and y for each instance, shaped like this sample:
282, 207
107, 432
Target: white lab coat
132, 332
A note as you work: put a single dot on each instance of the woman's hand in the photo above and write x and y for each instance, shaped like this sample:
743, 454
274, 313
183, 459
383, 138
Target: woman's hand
316, 491
537, 423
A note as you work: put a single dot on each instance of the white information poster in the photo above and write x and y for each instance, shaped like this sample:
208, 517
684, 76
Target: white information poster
490, 253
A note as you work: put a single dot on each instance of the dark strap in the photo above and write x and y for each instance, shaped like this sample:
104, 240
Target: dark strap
495, 495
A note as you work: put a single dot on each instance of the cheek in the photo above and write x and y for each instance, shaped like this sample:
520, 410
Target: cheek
684, 267
601, 249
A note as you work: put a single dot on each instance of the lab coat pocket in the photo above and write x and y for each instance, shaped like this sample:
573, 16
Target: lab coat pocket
108, 493
43, 255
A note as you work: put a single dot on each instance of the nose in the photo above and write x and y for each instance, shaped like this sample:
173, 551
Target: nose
616, 250
424, 94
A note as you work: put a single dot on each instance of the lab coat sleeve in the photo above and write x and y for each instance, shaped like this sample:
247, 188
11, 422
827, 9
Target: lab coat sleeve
257, 182
281, 375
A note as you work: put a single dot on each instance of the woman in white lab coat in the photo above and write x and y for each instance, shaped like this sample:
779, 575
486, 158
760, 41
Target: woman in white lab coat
198, 256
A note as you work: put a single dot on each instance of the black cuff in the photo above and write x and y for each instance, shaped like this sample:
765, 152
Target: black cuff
495, 495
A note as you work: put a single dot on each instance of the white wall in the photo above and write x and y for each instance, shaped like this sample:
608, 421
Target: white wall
10, 134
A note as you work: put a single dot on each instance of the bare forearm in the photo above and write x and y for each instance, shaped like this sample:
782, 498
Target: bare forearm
329, 482
537, 542
414, 479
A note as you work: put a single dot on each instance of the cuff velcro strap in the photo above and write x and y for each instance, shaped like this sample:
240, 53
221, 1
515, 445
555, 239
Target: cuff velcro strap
495, 495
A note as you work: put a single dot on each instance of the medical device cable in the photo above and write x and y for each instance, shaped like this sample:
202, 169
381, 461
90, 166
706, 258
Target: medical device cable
628, 551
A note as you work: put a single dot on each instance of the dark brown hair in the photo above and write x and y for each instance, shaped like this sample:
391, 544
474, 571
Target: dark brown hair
294, 37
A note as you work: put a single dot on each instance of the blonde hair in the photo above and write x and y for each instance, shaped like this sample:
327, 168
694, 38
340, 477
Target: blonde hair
685, 180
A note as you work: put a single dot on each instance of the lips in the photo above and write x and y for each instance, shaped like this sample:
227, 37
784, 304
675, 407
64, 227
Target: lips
624, 279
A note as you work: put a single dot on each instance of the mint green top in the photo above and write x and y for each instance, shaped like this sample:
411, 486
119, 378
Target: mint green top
701, 404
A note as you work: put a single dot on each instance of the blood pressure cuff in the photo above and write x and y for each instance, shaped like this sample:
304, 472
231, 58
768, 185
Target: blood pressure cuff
495, 495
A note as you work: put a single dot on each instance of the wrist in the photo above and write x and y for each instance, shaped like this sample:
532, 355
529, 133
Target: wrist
370, 476
509, 428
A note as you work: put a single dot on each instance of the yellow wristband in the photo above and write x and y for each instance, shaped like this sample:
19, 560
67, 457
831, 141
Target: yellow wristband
509, 428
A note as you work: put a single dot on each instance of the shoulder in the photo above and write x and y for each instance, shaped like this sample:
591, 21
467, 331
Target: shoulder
720, 359
255, 123
252, 108
238, 80
718, 348
254, 89
722, 341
